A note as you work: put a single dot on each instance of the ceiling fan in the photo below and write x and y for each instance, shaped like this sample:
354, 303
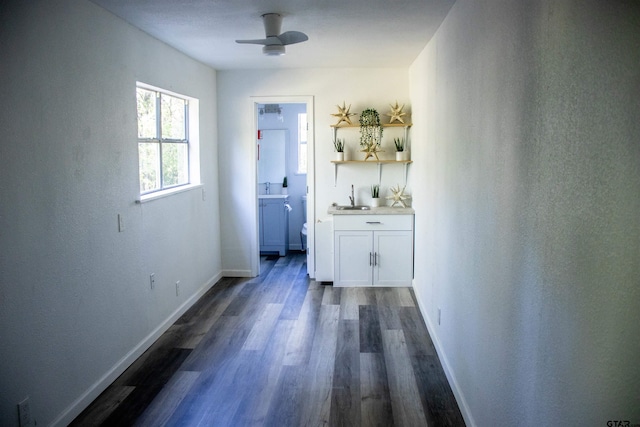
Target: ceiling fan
275, 42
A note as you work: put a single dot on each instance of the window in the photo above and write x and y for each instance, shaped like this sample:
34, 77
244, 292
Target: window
302, 143
163, 139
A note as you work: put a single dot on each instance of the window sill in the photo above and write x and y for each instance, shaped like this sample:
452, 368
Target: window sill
166, 193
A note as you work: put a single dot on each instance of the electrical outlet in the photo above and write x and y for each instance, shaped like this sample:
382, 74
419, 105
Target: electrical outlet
439, 316
152, 280
24, 413
178, 288
120, 223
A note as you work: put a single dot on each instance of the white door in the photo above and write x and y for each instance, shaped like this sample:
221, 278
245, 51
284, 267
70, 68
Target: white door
353, 258
393, 258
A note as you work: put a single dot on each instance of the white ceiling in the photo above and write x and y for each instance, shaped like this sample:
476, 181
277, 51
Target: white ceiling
342, 33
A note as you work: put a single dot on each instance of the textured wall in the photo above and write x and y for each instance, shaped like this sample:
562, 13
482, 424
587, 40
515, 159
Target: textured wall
75, 300
528, 233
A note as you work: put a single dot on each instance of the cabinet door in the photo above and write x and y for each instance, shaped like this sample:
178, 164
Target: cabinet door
273, 222
353, 254
393, 258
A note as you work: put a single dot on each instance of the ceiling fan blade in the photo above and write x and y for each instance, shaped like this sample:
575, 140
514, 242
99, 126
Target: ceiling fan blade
291, 37
267, 42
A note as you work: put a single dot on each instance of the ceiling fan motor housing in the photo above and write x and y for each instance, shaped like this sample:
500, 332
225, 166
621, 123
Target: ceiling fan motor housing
273, 50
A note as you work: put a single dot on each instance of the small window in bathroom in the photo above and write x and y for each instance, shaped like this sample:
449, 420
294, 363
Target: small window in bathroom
302, 143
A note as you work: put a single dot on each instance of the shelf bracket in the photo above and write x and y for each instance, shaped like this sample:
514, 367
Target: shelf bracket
406, 171
379, 173
335, 174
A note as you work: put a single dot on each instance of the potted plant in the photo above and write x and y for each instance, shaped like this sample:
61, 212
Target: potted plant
375, 196
338, 144
285, 189
370, 133
401, 153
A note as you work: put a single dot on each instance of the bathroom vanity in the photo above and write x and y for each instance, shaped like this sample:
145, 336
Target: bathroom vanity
372, 246
274, 223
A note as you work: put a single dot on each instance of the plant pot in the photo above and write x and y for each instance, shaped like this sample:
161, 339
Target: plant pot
285, 190
402, 156
340, 156
376, 202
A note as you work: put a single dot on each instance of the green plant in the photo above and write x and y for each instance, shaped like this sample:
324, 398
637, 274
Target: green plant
375, 191
339, 145
284, 182
370, 128
399, 143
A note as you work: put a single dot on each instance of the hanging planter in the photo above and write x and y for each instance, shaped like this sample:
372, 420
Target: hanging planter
370, 133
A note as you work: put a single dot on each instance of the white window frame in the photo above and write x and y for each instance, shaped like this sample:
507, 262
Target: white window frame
192, 140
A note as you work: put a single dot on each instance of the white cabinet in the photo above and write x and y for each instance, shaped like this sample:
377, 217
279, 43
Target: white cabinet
373, 250
274, 225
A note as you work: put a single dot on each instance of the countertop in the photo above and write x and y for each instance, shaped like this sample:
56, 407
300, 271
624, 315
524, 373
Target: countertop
273, 196
385, 210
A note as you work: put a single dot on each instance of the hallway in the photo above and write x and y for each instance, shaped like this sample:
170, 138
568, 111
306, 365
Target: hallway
282, 350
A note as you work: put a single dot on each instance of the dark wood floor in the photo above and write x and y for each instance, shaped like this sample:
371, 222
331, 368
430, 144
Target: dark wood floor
283, 350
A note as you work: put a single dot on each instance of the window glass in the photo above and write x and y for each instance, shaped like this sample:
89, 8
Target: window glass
146, 113
163, 143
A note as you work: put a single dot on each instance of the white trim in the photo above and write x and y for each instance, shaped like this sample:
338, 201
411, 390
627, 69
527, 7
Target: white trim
462, 402
308, 100
82, 402
168, 192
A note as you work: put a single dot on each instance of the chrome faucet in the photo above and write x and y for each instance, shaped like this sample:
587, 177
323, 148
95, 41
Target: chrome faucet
267, 188
352, 198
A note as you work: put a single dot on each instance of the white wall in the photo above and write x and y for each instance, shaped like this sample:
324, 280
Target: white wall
362, 88
76, 304
527, 225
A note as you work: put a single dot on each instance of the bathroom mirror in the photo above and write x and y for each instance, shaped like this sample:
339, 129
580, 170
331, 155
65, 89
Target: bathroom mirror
272, 156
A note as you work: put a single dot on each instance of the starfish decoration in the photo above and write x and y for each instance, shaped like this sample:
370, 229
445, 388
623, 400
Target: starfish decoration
371, 150
396, 113
398, 196
344, 114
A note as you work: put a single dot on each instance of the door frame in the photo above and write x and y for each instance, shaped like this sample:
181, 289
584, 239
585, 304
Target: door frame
311, 176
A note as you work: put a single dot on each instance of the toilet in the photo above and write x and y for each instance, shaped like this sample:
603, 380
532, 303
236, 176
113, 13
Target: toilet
303, 232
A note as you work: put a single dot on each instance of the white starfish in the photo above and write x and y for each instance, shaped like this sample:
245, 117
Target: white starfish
396, 113
344, 114
398, 196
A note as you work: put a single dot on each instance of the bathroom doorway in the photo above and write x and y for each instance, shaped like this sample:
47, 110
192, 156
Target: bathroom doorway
286, 121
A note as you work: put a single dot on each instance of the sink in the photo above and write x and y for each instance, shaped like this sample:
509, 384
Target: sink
353, 208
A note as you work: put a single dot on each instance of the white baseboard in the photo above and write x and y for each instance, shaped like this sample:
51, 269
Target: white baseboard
462, 402
82, 402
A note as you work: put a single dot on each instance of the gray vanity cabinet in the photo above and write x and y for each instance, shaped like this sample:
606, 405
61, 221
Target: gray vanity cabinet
274, 225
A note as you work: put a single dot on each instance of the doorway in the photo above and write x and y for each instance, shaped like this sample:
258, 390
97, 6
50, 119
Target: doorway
285, 115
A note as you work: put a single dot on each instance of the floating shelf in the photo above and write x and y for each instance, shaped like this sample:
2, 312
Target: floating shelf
405, 163
384, 125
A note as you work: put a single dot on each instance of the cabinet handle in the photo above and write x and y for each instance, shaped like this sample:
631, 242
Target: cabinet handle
374, 222
370, 258
375, 258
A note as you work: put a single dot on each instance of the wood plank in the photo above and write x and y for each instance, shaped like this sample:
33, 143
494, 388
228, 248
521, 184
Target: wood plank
298, 350
316, 403
438, 401
415, 332
262, 328
405, 397
163, 406
375, 406
103, 406
265, 374
345, 396
370, 334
